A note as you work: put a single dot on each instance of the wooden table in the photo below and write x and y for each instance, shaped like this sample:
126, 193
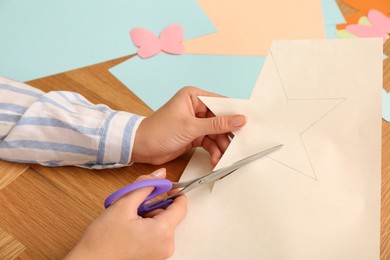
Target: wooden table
45, 210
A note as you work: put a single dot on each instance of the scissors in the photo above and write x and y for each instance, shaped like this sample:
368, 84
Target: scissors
162, 186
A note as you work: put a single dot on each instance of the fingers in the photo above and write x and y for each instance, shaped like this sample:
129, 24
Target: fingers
155, 212
132, 200
214, 125
220, 124
213, 149
222, 141
215, 145
175, 213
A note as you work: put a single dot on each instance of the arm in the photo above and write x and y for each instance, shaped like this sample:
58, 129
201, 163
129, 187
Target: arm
62, 128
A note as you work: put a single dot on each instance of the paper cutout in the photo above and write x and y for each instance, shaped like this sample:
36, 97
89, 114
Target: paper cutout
364, 21
54, 36
386, 105
249, 27
263, 212
276, 118
363, 6
170, 41
380, 26
156, 80
344, 34
351, 19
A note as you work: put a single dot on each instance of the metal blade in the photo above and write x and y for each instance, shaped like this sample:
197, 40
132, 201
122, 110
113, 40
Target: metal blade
218, 174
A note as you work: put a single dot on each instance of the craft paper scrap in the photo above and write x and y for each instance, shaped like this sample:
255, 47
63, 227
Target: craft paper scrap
266, 210
386, 105
51, 36
363, 6
377, 25
344, 34
249, 27
364, 21
157, 79
351, 19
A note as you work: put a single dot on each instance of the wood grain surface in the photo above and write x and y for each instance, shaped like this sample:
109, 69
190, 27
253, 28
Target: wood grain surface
44, 211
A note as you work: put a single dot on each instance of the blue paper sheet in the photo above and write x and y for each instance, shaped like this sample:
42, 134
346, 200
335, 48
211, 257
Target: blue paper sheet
386, 105
331, 12
157, 79
330, 31
332, 16
40, 38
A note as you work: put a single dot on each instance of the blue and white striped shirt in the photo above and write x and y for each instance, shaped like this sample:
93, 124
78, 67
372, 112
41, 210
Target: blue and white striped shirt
62, 128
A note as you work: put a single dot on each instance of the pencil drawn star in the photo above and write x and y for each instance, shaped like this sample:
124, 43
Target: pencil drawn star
272, 119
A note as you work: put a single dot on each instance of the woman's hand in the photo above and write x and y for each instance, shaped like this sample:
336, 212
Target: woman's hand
182, 123
119, 233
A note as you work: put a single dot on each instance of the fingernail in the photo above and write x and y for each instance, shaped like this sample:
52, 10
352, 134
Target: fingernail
159, 173
238, 121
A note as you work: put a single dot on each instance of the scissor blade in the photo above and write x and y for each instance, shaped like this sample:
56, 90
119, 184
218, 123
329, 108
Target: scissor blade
211, 177
218, 174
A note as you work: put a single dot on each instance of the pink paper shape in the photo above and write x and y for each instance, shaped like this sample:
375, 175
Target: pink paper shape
170, 41
380, 26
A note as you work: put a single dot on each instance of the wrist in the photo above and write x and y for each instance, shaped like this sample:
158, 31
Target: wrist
140, 146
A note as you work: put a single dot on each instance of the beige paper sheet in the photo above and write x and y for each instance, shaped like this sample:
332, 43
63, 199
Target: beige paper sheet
269, 210
247, 27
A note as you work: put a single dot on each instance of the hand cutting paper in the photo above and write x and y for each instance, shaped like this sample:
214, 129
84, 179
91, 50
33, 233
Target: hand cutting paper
268, 210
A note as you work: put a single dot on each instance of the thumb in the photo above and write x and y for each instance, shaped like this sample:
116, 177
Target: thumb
132, 200
221, 124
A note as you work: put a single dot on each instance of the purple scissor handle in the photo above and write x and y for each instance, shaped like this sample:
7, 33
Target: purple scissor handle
162, 186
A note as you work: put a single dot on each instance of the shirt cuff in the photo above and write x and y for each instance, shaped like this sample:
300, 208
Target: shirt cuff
117, 139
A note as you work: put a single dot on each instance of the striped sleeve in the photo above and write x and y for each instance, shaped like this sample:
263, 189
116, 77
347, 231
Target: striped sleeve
62, 128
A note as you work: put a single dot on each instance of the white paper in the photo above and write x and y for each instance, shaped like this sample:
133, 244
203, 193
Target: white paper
269, 209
